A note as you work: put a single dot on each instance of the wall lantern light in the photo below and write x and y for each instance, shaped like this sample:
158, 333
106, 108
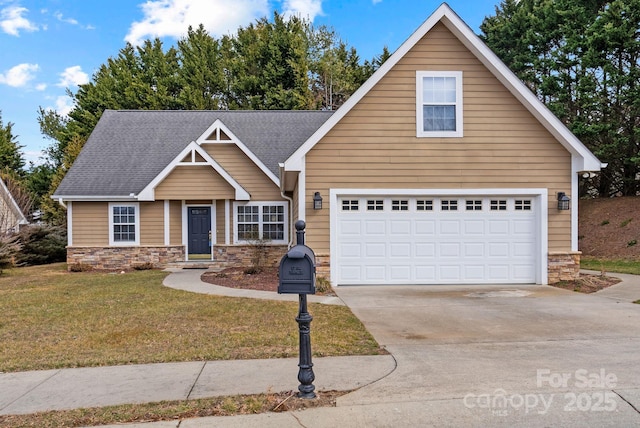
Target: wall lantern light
317, 201
563, 201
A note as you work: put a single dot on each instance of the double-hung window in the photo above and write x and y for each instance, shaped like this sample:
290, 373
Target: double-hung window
439, 103
262, 220
124, 224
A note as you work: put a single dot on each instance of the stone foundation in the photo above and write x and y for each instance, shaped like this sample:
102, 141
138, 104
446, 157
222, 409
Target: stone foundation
323, 268
243, 255
563, 266
118, 258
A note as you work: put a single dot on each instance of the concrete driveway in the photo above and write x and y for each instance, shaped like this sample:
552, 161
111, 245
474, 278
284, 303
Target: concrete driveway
503, 355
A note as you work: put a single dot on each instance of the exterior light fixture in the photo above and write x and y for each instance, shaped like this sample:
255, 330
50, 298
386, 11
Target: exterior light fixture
563, 201
317, 201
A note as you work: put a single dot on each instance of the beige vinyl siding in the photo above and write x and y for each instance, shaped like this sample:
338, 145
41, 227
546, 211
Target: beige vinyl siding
244, 171
375, 144
194, 182
152, 223
175, 221
220, 220
90, 224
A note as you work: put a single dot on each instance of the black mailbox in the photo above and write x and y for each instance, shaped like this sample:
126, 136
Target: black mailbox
298, 268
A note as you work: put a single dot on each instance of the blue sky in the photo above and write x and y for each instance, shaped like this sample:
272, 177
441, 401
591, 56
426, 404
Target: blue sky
51, 46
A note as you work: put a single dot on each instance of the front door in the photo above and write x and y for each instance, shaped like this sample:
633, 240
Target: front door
200, 233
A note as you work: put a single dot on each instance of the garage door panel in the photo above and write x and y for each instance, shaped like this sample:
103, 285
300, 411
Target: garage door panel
476, 249
450, 227
438, 245
425, 249
499, 227
450, 249
400, 250
400, 273
450, 273
474, 273
474, 227
400, 227
375, 249
375, 227
498, 249
376, 274
425, 274
350, 250
425, 227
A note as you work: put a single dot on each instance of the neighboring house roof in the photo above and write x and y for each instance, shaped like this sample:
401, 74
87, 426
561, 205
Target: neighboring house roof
583, 159
128, 149
7, 199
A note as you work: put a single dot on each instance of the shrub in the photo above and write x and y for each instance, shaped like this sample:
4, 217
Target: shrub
42, 244
80, 267
144, 266
9, 248
323, 285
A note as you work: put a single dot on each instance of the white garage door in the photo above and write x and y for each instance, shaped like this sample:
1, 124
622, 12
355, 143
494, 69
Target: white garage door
436, 240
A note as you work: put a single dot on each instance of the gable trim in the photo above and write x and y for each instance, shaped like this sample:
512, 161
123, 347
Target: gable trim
148, 193
218, 125
586, 160
12, 204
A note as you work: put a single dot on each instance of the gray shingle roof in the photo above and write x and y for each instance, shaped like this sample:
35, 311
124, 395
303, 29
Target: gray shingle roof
129, 148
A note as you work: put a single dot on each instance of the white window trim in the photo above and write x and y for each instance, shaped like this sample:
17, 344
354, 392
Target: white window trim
420, 132
261, 204
136, 205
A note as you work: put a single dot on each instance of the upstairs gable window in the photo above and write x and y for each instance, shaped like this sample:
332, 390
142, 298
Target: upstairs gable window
439, 103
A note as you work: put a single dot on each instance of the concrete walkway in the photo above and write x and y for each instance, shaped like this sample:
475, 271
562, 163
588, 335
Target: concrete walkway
461, 356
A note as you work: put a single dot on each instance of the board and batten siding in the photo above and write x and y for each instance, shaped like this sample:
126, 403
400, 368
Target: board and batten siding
194, 182
244, 171
375, 145
90, 224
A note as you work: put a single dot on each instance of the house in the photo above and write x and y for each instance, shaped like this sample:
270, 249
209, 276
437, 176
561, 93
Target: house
443, 168
11, 215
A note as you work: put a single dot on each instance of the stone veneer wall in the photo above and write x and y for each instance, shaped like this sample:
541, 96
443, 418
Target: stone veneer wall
563, 266
116, 258
242, 255
323, 269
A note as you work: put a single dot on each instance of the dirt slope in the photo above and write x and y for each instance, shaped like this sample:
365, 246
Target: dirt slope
609, 227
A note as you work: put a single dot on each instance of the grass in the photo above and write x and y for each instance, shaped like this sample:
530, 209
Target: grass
54, 319
168, 410
611, 265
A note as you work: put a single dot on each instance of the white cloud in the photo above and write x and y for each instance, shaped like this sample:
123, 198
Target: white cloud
61, 18
171, 18
306, 9
41, 86
73, 76
12, 21
64, 105
19, 75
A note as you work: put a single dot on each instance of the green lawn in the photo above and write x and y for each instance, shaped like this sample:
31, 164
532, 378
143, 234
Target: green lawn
613, 265
52, 318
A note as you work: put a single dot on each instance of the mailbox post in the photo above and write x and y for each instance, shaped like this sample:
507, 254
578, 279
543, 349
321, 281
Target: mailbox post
298, 276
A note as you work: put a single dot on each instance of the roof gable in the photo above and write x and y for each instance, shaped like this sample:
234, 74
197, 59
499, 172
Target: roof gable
192, 155
218, 133
583, 159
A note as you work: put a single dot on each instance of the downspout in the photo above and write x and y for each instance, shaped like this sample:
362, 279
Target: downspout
290, 243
